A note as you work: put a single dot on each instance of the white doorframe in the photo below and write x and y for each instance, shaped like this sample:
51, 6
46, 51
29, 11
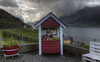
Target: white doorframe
61, 40
58, 32
40, 50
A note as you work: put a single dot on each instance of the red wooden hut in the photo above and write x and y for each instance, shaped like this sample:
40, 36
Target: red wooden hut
50, 34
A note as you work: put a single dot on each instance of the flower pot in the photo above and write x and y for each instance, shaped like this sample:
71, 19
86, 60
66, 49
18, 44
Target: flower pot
10, 50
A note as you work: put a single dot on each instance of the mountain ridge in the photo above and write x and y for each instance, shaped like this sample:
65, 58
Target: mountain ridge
87, 17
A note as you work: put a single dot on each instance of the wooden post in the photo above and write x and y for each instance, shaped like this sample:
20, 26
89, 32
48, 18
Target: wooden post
61, 40
94, 40
40, 40
22, 39
0, 42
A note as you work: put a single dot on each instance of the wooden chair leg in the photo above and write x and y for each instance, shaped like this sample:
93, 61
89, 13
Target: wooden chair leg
4, 56
94, 60
18, 55
12, 56
83, 60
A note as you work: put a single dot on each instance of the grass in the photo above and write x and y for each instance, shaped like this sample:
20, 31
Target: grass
29, 36
20, 42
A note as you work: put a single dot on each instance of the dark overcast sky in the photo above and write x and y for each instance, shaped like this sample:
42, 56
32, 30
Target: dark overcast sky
34, 10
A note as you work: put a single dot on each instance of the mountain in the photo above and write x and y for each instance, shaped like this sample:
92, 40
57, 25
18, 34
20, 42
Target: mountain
87, 17
8, 21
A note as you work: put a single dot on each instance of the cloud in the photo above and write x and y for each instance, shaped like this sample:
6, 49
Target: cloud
10, 6
58, 7
37, 9
93, 3
8, 3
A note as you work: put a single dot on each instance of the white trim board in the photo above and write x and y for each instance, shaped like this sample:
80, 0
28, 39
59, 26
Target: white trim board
45, 18
40, 50
61, 40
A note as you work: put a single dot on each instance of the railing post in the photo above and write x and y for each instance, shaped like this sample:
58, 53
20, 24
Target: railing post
75, 41
0, 42
94, 40
22, 39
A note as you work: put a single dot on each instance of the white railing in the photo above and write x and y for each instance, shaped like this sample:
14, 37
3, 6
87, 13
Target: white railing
80, 41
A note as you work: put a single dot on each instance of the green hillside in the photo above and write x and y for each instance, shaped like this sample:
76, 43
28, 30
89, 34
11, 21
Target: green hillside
12, 27
29, 36
8, 21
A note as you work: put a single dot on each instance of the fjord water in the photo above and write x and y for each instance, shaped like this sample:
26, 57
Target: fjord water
83, 34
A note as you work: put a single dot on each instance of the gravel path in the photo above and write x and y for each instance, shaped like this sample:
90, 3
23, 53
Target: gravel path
30, 57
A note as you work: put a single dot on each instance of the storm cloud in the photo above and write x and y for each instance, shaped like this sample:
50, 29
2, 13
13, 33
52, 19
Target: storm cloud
36, 9
8, 3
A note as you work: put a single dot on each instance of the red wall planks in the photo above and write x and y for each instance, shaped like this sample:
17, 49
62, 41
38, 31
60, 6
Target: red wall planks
51, 46
50, 22
50, 50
